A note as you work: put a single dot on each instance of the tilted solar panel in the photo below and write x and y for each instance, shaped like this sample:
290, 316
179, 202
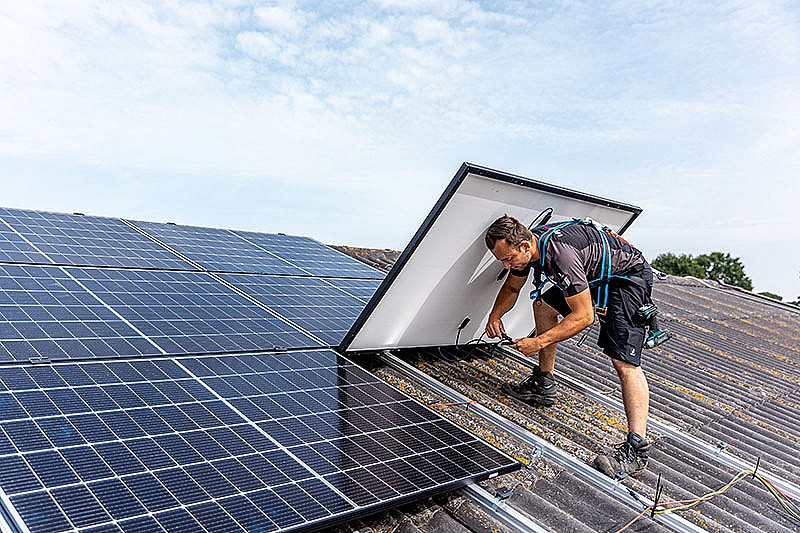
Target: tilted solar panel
219, 443
313, 304
218, 249
90, 241
311, 255
190, 312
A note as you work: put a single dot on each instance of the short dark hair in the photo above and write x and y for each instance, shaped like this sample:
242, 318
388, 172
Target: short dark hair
508, 228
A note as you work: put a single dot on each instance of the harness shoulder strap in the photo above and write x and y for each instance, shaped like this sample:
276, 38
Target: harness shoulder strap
541, 245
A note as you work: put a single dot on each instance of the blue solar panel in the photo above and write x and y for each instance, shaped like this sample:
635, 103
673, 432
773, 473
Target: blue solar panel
363, 289
225, 443
313, 304
312, 256
270, 442
15, 249
90, 241
45, 314
146, 439
190, 312
218, 249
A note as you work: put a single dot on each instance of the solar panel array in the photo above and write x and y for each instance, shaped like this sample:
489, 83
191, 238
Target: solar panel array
219, 250
314, 304
45, 314
312, 256
189, 312
96, 241
162, 378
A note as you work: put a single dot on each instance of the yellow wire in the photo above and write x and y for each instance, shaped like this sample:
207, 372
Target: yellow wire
783, 500
738, 477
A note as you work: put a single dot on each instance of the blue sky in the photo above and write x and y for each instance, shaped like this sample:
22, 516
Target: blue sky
345, 120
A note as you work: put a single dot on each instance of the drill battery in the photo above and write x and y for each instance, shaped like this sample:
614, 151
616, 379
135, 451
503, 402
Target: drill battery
647, 315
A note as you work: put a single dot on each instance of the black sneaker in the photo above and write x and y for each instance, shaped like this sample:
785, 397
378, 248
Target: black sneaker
629, 457
539, 388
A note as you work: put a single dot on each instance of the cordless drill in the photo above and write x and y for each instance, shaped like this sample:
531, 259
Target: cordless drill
648, 315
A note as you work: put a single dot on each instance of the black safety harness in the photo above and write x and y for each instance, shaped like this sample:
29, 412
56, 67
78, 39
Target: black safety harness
599, 286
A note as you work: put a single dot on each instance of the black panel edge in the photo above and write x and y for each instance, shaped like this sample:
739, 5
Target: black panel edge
548, 187
401, 500
469, 168
405, 255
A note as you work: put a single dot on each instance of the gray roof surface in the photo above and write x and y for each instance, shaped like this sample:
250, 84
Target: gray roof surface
730, 375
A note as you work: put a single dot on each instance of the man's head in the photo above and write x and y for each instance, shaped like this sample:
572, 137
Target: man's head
511, 242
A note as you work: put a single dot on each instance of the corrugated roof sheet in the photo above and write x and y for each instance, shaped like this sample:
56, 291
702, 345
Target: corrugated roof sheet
731, 375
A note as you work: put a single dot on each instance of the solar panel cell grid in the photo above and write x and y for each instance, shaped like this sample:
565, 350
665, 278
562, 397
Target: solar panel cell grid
15, 249
136, 450
362, 289
189, 312
200, 443
312, 256
312, 304
44, 313
218, 249
90, 241
148, 440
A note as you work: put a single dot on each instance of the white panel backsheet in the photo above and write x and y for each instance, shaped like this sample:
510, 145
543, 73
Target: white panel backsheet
451, 275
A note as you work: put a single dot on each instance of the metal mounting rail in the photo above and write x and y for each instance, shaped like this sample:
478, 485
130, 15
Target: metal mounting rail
517, 521
555, 454
698, 445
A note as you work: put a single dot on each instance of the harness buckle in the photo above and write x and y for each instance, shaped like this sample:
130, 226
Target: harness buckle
601, 312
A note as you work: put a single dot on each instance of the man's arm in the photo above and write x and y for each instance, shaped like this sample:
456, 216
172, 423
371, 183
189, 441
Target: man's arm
581, 317
506, 299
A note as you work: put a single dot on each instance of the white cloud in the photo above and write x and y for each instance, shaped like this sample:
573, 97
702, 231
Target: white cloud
429, 29
258, 45
688, 110
280, 19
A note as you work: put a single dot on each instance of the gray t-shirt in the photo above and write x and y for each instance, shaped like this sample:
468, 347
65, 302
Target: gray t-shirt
574, 257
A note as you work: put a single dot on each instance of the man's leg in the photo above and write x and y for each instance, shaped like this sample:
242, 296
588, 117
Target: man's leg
635, 395
622, 340
540, 387
546, 318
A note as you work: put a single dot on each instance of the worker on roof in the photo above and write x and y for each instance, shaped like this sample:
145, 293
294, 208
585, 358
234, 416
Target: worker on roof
569, 255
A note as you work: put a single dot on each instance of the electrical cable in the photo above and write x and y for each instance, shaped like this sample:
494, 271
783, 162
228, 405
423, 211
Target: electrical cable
495, 345
445, 357
476, 341
791, 508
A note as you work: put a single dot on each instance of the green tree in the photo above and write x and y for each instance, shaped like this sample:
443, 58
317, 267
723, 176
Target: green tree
715, 265
771, 295
724, 268
678, 265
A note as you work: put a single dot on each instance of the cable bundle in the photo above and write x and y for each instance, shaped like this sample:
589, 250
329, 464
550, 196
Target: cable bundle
789, 506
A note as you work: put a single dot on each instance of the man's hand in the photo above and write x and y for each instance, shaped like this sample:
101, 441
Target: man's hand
495, 328
529, 346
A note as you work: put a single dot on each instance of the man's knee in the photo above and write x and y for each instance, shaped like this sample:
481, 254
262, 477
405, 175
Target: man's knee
625, 369
545, 316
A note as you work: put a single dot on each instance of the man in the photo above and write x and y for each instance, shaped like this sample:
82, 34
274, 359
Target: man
572, 257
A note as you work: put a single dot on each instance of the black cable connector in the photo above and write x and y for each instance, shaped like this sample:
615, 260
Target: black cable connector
460, 327
659, 488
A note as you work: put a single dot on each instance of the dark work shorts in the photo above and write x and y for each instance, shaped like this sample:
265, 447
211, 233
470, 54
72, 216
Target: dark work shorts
621, 336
